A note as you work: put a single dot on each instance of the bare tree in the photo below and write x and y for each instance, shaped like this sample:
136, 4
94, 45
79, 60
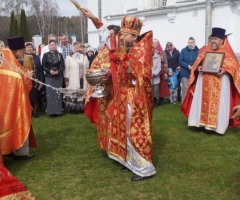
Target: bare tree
4, 30
78, 25
84, 28
43, 18
7, 6
46, 13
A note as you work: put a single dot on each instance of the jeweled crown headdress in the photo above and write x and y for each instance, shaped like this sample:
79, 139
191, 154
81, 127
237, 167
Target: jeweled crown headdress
131, 25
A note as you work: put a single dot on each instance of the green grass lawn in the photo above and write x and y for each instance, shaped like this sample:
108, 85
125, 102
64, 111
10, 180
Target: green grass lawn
68, 165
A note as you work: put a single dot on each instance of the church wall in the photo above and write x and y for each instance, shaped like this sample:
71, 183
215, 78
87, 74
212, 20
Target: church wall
175, 23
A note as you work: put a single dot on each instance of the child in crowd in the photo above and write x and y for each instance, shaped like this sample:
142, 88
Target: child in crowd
172, 80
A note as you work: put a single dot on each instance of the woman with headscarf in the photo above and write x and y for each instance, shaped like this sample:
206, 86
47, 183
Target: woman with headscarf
172, 57
90, 55
156, 69
76, 66
53, 65
163, 87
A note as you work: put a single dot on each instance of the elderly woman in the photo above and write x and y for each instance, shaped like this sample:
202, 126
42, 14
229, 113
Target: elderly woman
156, 68
53, 65
90, 55
163, 86
76, 66
38, 74
2, 46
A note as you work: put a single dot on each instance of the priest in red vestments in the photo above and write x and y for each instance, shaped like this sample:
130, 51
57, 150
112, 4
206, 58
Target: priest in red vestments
211, 97
16, 134
95, 108
11, 187
130, 112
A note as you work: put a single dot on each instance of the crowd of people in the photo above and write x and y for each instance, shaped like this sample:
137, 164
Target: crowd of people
58, 65
206, 101
175, 68
64, 65
54, 65
141, 76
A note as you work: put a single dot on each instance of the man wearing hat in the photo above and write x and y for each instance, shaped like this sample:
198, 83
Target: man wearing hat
130, 141
210, 97
16, 134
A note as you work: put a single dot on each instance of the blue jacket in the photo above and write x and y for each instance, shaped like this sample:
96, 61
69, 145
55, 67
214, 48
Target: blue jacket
187, 57
173, 81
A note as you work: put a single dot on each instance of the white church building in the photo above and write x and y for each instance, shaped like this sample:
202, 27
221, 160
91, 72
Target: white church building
172, 20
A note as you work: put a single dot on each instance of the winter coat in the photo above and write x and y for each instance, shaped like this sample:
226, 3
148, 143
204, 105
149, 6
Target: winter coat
72, 73
172, 58
156, 68
173, 81
187, 57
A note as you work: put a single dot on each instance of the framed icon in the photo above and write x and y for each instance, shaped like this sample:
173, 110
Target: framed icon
212, 62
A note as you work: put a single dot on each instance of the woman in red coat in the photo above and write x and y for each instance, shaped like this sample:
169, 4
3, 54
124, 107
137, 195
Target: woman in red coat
163, 87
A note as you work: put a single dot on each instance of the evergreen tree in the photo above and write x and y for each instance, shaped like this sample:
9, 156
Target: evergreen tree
23, 27
15, 28
11, 24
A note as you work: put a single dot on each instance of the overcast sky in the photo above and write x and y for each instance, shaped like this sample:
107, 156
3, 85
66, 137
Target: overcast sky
67, 8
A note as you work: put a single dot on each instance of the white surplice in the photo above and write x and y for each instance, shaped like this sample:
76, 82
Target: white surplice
224, 106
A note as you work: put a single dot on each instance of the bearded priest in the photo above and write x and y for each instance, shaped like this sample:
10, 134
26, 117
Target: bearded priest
130, 112
213, 91
16, 134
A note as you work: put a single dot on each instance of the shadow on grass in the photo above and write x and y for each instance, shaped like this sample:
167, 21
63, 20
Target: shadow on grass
234, 183
68, 164
48, 143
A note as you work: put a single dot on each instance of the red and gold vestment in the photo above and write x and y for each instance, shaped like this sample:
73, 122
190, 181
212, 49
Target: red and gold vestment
136, 90
211, 85
11, 187
95, 108
15, 107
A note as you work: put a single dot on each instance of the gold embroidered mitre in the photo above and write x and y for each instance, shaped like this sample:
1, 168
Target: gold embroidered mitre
131, 25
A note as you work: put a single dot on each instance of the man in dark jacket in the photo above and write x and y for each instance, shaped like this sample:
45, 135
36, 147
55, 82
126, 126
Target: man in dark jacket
187, 58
